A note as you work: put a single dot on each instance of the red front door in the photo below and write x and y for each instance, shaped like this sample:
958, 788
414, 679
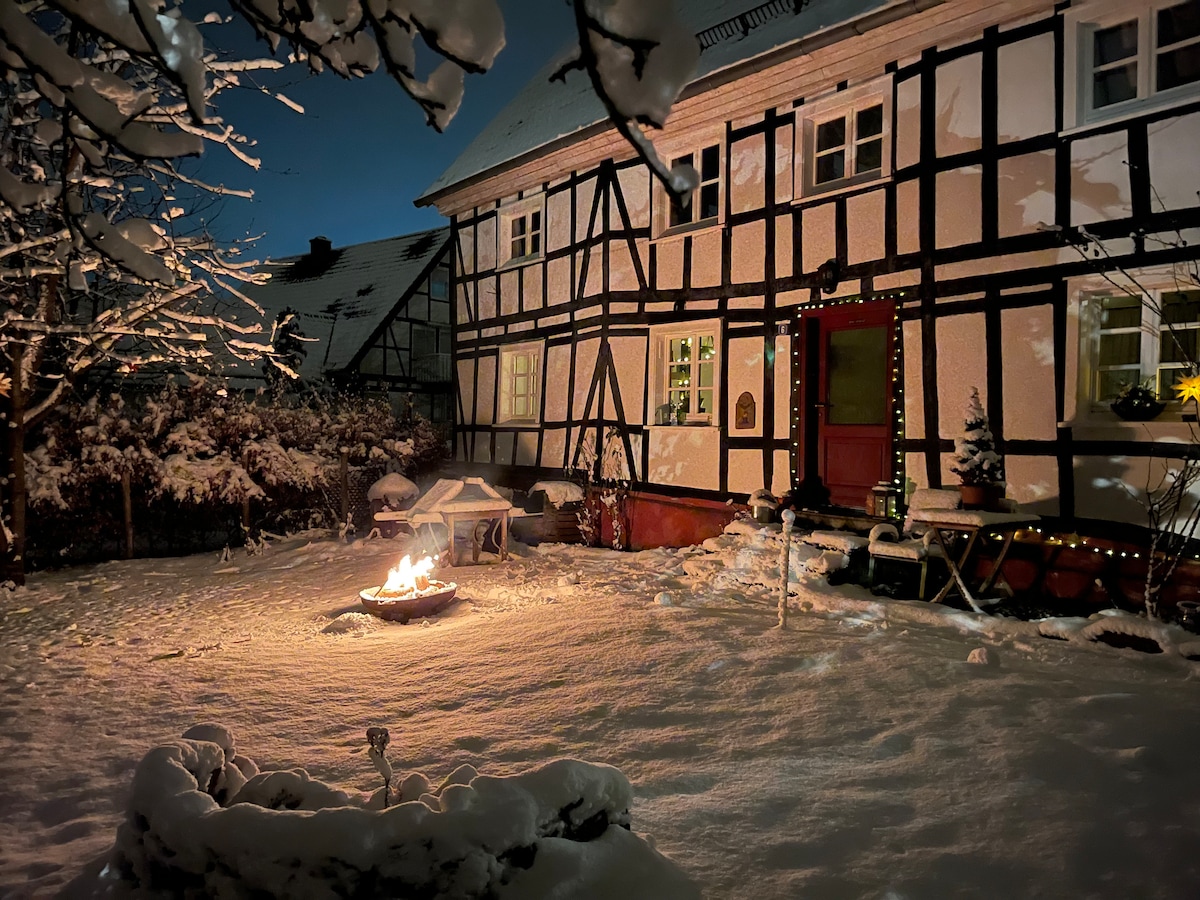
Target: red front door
853, 413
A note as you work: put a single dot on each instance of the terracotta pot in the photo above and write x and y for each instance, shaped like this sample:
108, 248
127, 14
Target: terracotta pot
981, 496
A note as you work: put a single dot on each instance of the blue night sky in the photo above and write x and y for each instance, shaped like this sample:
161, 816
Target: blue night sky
350, 167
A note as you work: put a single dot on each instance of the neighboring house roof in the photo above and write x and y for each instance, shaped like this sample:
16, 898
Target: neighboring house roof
343, 295
731, 32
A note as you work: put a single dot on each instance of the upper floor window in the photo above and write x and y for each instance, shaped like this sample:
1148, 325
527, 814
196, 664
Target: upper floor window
521, 382
1121, 59
845, 140
522, 226
1135, 339
704, 205
688, 365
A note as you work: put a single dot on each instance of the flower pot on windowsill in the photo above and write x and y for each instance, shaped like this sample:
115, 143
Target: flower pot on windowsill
1137, 404
986, 496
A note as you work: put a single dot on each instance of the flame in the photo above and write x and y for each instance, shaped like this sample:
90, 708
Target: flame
408, 577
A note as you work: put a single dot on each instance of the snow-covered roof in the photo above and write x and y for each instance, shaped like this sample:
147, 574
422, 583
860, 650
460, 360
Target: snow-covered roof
731, 32
342, 295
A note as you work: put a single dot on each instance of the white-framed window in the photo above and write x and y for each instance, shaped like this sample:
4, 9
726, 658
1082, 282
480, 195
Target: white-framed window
1123, 56
845, 140
521, 232
706, 205
687, 369
521, 382
1137, 338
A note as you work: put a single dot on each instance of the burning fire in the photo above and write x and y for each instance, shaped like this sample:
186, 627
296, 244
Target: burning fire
409, 577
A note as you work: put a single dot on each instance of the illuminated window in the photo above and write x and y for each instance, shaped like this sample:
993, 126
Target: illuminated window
845, 140
1121, 58
688, 369
522, 231
1140, 340
521, 382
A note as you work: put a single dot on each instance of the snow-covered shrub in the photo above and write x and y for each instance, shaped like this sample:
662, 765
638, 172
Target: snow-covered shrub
202, 821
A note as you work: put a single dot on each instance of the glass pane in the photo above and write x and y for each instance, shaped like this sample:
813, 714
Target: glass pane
708, 346
1114, 86
681, 400
1114, 43
680, 376
681, 349
1168, 376
1121, 312
869, 157
535, 221
1178, 67
1180, 306
518, 227
831, 134
1120, 349
710, 164
439, 285
856, 376
1177, 345
521, 386
1178, 23
1111, 383
680, 214
706, 401
520, 406
518, 248
831, 167
870, 122
439, 312
706, 373
710, 194
520, 364
535, 243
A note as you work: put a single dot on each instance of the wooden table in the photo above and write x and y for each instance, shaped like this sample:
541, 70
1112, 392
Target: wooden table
451, 518
948, 523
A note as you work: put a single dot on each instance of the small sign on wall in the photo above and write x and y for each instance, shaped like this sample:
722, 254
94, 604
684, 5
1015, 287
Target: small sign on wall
744, 411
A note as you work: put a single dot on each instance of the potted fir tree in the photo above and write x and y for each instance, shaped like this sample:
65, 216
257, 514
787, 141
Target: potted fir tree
976, 462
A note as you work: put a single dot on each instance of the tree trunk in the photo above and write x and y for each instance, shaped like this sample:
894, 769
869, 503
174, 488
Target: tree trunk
127, 505
14, 565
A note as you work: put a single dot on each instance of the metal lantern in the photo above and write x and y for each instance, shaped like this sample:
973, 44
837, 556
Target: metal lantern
884, 500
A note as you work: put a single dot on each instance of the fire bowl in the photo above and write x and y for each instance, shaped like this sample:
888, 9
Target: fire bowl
411, 605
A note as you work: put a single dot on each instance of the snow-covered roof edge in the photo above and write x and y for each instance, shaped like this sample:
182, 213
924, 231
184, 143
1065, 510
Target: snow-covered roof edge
859, 17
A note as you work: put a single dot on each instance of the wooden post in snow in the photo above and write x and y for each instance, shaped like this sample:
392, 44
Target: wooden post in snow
246, 499
345, 480
127, 503
785, 565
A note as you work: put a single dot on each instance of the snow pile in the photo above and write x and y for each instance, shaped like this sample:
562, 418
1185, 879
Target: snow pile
393, 489
202, 819
559, 493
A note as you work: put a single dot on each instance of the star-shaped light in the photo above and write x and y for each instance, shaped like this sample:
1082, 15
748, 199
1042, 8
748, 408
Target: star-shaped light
1188, 389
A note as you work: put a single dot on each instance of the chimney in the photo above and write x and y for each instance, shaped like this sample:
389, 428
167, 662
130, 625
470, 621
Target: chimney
320, 246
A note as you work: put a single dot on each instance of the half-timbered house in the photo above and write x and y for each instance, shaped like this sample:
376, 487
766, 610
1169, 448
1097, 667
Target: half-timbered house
373, 318
897, 202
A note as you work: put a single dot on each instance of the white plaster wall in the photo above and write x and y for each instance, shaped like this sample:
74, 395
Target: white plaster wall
1026, 88
558, 382
1102, 486
621, 274
506, 442
485, 235
629, 363
747, 173
464, 306
485, 399
558, 220
635, 189
914, 472
466, 387
1100, 179
531, 278
745, 471
1026, 192
781, 478
959, 123
959, 212
558, 280
784, 160
586, 352
1173, 169
1027, 336
466, 247
747, 252
908, 220
595, 272
669, 255
783, 385
684, 457
510, 286
1033, 482
706, 258
486, 289
914, 407
908, 122
864, 227
554, 448
584, 194
961, 365
483, 448
818, 242
526, 450
745, 363
783, 246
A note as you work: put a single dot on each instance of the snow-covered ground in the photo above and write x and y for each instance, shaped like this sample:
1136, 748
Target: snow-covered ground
856, 754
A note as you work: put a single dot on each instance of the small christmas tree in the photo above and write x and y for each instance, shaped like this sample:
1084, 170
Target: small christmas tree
975, 458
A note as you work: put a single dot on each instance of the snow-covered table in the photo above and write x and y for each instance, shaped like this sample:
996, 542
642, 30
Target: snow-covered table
948, 523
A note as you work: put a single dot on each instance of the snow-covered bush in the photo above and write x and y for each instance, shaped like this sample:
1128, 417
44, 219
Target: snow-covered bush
203, 821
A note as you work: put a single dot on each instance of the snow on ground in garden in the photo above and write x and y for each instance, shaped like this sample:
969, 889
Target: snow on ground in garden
856, 754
